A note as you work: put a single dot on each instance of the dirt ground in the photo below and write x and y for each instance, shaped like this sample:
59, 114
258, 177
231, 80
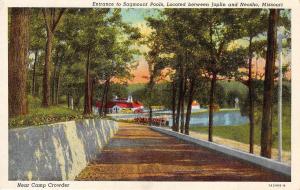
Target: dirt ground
136, 153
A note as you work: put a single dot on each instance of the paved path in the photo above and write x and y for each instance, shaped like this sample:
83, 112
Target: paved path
286, 155
138, 153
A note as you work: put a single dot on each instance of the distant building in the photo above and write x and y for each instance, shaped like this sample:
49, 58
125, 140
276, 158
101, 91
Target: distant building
117, 105
195, 105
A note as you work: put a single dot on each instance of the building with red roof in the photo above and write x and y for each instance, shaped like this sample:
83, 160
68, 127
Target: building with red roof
195, 105
116, 105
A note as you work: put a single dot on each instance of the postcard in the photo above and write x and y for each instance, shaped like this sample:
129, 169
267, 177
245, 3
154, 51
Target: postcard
149, 94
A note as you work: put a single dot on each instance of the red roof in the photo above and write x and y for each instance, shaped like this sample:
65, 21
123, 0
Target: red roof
121, 104
195, 103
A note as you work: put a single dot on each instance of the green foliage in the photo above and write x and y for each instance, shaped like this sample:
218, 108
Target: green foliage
160, 95
258, 95
232, 90
199, 41
103, 32
39, 115
116, 89
225, 93
37, 31
134, 87
119, 90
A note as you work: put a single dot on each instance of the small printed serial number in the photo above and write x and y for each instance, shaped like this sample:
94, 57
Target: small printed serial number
276, 185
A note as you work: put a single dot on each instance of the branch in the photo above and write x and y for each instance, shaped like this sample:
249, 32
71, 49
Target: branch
245, 82
58, 18
220, 50
46, 20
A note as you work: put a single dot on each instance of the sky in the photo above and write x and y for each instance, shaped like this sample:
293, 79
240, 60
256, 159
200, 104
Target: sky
136, 17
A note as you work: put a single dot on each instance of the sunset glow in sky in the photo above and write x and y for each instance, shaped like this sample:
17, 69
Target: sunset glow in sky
136, 17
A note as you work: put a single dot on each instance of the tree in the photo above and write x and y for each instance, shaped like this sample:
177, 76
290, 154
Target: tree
117, 58
193, 80
61, 52
37, 44
219, 28
155, 66
87, 28
52, 17
252, 28
173, 51
187, 48
18, 61
103, 42
266, 130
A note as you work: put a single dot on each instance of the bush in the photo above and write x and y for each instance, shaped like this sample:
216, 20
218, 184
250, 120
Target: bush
38, 115
47, 117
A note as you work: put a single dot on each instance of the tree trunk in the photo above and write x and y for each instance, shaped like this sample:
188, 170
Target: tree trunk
184, 74
87, 90
180, 91
182, 106
76, 102
57, 86
68, 99
106, 97
52, 90
37, 90
17, 62
33, 72
46, 74
92, 91
266, 131
53, 85
251, 96
57, 81
174, 105
189, 107
102, 99
150, 115
51, 21
150, 88
211, 104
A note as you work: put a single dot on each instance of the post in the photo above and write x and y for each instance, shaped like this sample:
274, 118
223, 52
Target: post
71, 103
280, 98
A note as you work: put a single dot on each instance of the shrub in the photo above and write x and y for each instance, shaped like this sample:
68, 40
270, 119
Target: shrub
38, 115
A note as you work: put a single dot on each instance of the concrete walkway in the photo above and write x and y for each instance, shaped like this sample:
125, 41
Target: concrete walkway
286, 155
138, 153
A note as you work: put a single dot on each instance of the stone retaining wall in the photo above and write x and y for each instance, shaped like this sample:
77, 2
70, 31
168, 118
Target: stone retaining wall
56, 151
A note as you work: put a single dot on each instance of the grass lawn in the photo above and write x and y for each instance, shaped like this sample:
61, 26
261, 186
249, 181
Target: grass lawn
39, 115
241, 133
221, 110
